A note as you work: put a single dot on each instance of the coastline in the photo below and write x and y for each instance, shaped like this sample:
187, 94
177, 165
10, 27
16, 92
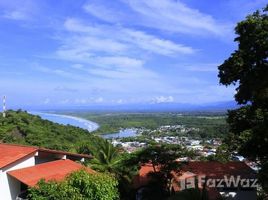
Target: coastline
61, 119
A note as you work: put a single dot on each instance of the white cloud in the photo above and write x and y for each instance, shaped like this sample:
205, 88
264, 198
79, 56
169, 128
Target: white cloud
162, 99
119, 101
15, 15
99, 100
81, 101
113, 51
65, 101
77, 66
168, 15
46, 101
156, 45
91, 100
19, 10
65, 89
65, 73
203, 67
118, 40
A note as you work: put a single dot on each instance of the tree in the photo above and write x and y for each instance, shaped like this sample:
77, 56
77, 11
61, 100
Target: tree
163, 159
105, 155
247, 68
106, 158
79, 185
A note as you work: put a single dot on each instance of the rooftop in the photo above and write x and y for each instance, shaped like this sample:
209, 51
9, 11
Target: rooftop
55, 170
215, 169
10, 153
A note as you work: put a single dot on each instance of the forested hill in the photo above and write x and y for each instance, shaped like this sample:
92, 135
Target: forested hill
24, 128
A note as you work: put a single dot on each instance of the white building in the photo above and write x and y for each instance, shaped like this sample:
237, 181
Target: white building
23, 166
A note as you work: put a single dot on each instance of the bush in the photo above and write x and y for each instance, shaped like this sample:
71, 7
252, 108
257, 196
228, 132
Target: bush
79, 185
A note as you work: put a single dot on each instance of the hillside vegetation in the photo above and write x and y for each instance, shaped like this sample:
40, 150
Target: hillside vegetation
23, 128
210, 124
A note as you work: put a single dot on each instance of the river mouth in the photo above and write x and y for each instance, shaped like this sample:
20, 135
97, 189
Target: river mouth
128, 132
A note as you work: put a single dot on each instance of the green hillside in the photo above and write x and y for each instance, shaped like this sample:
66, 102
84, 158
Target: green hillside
23, 128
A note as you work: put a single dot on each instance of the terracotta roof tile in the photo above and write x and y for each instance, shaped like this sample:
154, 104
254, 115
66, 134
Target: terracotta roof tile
11, 153
210, 169
55, 170
215, 169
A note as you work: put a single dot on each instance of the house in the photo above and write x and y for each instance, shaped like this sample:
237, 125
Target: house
232, 180
23, 166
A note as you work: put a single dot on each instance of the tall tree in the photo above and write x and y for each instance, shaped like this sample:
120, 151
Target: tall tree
105, 155
107, 158
247, 68
163, 159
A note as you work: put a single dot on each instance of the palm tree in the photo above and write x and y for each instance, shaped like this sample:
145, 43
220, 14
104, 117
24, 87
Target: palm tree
105, 155
106, 158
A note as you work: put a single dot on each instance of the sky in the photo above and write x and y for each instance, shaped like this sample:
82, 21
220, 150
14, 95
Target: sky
99, 52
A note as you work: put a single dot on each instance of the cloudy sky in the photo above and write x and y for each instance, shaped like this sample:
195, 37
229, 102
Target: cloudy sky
81, 52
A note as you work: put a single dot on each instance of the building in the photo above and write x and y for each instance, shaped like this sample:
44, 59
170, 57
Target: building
233, 180
23, 166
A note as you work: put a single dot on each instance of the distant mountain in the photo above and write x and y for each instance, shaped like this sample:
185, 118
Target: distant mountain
156, 107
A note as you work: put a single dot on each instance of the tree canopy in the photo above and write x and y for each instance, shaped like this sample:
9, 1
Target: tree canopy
23, 128
79, 185
247, 69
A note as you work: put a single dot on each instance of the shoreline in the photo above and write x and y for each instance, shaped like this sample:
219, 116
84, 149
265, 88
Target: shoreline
87, 124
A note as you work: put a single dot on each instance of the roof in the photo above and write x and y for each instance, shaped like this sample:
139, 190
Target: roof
64, 153
55, 170
210, 169
10, 153
142, 179
214, 169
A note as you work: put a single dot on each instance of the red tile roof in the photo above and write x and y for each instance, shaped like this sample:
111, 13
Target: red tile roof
215, 169
142, 178
55, 170
210, 169
11, 153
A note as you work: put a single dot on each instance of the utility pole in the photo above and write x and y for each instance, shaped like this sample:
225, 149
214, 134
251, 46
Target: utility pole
4, 106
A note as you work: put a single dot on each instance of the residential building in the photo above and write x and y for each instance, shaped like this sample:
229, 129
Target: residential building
23, 166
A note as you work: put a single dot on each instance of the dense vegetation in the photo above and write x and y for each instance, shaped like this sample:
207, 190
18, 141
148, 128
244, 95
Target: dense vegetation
247, 68
24, 128
210, 125
79, 185
124, 166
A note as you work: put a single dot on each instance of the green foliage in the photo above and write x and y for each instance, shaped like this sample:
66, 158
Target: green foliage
247, 68
222, 155
79, 185
24, 128
210, 125
163, 159
107, 158
162, 155
248, 64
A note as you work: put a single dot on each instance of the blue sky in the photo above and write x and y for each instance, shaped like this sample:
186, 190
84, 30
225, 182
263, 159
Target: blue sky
65, 52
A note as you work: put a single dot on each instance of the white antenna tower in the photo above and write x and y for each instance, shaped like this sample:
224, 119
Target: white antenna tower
4, 106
